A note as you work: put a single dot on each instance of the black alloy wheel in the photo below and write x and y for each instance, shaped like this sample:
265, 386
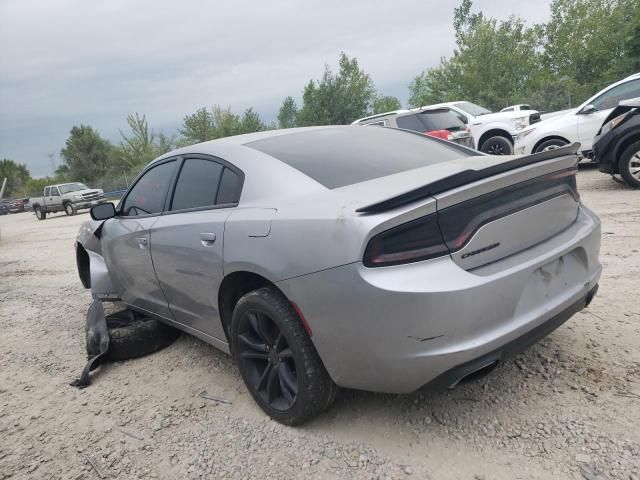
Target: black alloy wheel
277, 359
497, 146
268, 360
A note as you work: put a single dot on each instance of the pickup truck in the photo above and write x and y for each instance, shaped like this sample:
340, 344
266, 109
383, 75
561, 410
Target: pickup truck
67, 197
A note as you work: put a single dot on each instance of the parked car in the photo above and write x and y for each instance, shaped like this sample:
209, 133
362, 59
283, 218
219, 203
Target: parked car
4, 207
517, 108
366, 258
578, 124
617, 145
434, 122
67, 197
18, 205
493, 132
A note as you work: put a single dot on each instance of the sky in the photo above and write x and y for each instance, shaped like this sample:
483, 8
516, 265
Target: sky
67, 62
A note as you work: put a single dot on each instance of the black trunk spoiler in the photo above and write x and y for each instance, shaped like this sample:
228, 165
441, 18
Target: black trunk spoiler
465, 177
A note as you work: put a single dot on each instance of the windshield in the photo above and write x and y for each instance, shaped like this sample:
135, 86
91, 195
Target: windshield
72, 187
472, 108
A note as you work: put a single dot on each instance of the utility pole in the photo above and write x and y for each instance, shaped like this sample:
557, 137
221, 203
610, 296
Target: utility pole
4, 184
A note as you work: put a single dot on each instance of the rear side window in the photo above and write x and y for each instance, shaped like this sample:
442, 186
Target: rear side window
229, 190
148, 194
197, 184
46, 192
340, 156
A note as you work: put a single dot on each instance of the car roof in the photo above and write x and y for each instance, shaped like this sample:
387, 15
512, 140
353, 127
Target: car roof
379, 116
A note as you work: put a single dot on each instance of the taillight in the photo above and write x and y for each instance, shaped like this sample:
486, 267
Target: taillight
417, 240
443, 134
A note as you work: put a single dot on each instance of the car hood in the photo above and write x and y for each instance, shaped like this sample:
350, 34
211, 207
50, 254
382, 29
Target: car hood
548, 115
84, 192
501, 116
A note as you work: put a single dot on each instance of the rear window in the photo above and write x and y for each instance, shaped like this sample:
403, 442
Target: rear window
340, 156
440, 120
430, 120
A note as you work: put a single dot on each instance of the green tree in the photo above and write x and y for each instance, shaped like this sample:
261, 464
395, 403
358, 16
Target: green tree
632, 38
198, 127
337, 99
585, 41
85, 156
226, 123
138, 147
382, 104
251, 122
287, 113
495, 63
35, 186
17, 175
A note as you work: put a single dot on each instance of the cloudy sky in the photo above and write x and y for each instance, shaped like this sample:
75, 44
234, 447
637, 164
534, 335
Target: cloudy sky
66, 62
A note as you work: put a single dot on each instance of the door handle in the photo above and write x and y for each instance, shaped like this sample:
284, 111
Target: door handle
142, 242
207, 238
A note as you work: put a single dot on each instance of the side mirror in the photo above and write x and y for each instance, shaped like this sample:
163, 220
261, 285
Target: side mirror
588, 110
104, 211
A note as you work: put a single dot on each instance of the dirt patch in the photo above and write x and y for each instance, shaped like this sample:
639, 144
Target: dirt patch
573, 398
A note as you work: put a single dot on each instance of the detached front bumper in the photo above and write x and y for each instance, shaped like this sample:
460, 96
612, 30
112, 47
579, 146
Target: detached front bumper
396, 329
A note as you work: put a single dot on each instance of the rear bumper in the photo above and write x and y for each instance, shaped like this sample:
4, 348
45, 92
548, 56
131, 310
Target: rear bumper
395, 329
458, 374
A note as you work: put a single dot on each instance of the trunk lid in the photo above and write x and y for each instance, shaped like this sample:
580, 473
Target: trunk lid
488, 207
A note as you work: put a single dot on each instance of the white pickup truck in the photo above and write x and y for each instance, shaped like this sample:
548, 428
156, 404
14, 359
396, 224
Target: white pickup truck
67, 197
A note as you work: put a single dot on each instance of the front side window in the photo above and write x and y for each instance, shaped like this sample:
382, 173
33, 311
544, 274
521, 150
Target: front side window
55, 192
612, 97
148, 194
197, 184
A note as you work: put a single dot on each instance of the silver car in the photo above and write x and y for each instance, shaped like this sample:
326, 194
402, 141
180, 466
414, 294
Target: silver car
366, 258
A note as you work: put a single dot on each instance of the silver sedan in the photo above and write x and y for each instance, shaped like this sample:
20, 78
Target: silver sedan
325, 257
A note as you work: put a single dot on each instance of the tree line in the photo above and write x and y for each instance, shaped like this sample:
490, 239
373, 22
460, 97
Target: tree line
585, 45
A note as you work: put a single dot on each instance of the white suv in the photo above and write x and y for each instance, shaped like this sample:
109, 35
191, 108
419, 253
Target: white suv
493, 132
578, 124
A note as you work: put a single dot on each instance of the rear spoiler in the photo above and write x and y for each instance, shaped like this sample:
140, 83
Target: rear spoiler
465, 177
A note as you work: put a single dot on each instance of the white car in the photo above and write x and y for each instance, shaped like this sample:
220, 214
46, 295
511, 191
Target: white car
577, 124
493, 132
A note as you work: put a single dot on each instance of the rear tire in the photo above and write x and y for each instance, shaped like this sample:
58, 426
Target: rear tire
69, 209
552, 144
40, 214
497, 146
629, 165
277, 360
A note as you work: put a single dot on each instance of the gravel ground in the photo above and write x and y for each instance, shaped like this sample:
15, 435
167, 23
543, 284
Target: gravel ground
568, 408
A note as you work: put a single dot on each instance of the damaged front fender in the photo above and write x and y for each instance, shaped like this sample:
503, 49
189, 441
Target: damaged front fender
92, 268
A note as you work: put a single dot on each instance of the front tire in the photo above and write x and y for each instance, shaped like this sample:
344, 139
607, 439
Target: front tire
277, 360
69, 209
497, 146
40, 214
629, 165
552, 144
